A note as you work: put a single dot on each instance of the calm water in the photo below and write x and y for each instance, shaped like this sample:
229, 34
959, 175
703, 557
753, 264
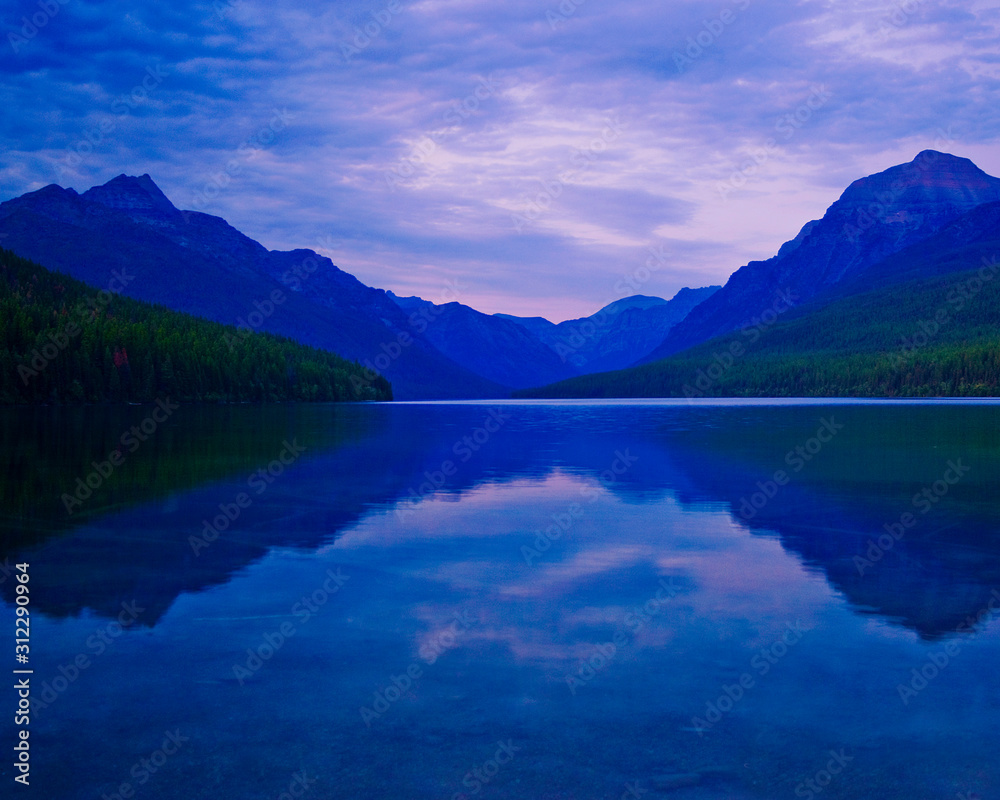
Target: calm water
518, 601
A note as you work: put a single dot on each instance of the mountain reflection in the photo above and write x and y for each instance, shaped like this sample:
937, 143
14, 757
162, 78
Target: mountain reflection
139, 539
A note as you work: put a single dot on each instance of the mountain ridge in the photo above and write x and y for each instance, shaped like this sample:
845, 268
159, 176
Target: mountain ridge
930, 216
875, 217
611, 337
199, 264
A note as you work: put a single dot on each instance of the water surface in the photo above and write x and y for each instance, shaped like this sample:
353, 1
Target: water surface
663, 599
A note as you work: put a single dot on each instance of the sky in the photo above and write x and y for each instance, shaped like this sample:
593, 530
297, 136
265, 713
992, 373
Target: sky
531, 157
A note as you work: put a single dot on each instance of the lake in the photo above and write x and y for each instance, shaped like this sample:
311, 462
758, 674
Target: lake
718, 599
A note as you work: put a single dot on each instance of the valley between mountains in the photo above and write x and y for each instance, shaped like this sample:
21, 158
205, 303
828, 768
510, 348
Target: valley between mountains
891, 293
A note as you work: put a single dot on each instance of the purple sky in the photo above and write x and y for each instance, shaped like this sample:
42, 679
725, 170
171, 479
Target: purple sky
533, 153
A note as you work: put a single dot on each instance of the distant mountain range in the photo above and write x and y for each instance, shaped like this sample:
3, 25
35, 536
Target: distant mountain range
892, 292
529, 351
611, 338
197, 263
893, 244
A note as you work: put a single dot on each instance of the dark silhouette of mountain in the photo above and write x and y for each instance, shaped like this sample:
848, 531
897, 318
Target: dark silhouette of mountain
199, 264
46, 316
971, 240
919, 322
875, 218
930, 337
637, 329
931, 217
496, 348
615, 336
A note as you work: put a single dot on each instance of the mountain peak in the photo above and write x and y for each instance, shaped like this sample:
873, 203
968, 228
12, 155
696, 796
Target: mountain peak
876, 217
933, 165
930, 156
130, 193
932, 177
634, 301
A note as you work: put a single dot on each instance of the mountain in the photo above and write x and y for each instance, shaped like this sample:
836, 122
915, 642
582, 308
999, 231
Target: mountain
920, 322
638, 329
875, 218
521, 352
61, 345
970, 239
885, 343
908, 224
488, 345
560, 335
126, 235
618, 334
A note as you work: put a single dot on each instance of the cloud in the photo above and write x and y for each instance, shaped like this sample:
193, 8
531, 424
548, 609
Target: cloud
418, 130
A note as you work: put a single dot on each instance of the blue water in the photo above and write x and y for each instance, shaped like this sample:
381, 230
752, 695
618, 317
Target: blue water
574, 600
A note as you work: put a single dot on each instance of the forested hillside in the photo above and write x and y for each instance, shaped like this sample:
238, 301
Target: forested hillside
62, 341
927, 338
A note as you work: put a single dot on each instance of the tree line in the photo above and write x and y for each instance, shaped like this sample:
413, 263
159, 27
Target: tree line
64, 342
935, 337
